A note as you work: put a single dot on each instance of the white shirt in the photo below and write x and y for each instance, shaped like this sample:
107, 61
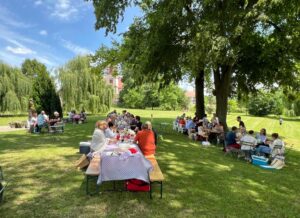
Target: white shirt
200, 130
98, 142
248, 141
215, 121
277, 143
33, 120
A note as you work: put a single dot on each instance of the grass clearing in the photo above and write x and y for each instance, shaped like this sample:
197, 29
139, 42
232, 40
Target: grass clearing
199, 181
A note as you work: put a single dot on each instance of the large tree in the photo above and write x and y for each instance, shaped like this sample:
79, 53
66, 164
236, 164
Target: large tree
15, 89
44, 94
83, 87
161, 43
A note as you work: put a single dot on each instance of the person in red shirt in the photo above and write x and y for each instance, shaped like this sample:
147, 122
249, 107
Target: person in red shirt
146, 140
182, 122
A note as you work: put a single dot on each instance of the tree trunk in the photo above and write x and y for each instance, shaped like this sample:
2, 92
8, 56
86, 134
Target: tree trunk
222, 80
199, 91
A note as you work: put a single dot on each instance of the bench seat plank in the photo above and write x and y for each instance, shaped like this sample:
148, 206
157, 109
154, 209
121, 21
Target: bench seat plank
156, 174
94, 167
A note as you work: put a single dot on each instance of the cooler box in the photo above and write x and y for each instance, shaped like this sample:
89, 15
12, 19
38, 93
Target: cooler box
259, 161
84, 147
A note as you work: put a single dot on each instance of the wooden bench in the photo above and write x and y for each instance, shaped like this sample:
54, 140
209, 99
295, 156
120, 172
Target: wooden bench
92, 171
155, 176
57, 128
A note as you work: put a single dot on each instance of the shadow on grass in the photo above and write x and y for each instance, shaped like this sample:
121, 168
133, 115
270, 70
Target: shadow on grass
199, 181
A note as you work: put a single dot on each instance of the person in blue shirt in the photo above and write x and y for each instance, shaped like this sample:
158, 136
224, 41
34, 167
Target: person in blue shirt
231, 139
42, 120
190, 124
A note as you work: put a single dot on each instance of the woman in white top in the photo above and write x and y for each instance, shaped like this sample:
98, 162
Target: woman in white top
99, 140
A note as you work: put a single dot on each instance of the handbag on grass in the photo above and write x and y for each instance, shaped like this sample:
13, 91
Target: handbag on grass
82, 162
137, 185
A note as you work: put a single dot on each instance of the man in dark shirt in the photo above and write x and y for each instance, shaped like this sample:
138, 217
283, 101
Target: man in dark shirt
241, 123
138, 123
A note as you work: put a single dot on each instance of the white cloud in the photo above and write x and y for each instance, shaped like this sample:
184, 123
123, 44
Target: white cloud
19, 47
17, 38
6, 17
38, 2
11, 59
43, 33
46, 61
64, 10
76, 49
20, 50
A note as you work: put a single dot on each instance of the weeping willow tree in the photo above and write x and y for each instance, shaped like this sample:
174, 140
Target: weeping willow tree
82, 88
15, 90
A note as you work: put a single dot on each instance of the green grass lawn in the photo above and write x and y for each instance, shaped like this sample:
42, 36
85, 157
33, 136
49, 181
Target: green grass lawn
199, 181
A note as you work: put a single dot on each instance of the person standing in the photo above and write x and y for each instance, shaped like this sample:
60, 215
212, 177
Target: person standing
31, 108
280, 121
241, 123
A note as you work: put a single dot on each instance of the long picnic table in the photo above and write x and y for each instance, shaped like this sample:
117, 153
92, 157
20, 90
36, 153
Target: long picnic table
115, 164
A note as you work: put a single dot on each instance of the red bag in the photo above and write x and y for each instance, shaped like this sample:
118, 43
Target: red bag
137, 185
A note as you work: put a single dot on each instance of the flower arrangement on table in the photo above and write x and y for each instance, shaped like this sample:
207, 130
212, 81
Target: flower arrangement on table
126, 134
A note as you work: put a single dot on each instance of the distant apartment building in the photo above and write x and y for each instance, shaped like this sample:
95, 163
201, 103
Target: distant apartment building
191, 96
114, 81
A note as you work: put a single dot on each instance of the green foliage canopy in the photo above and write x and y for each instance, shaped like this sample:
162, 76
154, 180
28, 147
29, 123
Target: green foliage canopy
15, 89
225, 33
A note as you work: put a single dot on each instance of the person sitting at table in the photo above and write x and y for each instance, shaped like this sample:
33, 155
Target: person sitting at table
276, 146
55, 119
242, 131
190, 126
82, 116
98, 142
214, 120
42, 120
261, 137
182, 122
146, 140
202, 134
70, 116
216, 134
196, 118
177, 120
76, 117
248, 143
153, 130
109, 132
138, 123
133, 123
231, 139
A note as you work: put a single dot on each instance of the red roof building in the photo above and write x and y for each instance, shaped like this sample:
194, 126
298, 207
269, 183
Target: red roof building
114, 81
191, 95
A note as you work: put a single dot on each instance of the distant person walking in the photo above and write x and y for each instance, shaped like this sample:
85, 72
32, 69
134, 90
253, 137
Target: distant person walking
241, 123
280, 121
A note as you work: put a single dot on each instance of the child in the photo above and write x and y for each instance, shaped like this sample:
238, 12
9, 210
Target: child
280, 121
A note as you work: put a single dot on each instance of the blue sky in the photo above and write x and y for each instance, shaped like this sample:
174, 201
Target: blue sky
52, 31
